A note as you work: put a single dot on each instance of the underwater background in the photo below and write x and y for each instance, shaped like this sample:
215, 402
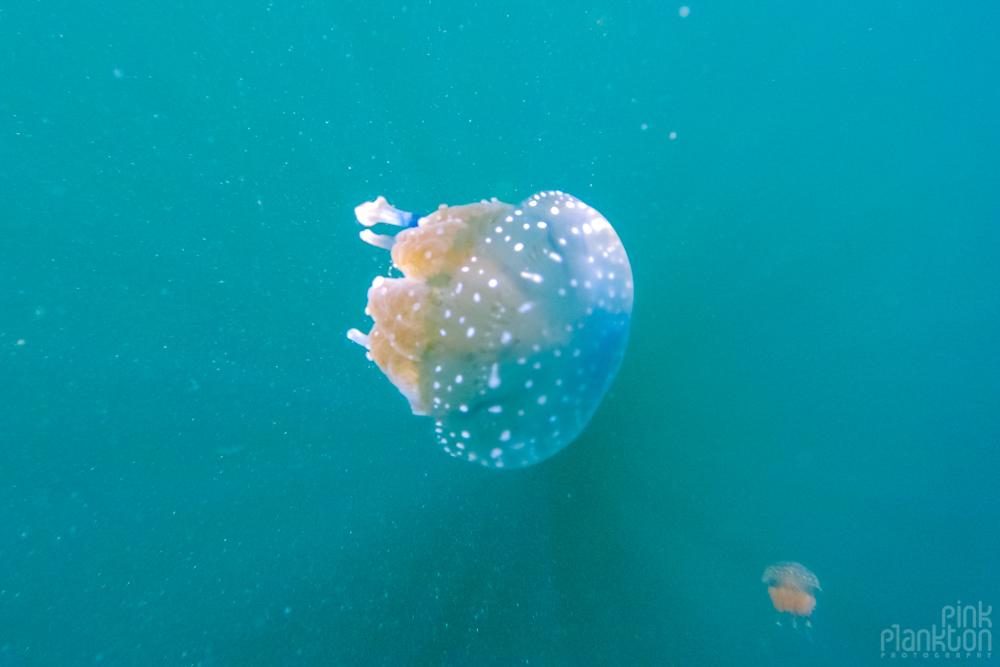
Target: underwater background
197, 467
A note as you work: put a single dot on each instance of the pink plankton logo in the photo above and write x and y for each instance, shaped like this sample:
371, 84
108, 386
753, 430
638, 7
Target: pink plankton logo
966, 633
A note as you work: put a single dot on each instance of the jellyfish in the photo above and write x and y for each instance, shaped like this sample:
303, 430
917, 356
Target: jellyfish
791, 587
508, 324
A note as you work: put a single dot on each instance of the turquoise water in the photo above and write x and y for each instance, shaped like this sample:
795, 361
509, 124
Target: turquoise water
197, 467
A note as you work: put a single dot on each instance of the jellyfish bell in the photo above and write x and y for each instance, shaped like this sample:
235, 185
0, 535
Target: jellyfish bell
508, 325
791, 586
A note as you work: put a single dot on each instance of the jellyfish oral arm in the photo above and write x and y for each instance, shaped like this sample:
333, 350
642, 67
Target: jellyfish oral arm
359, 338
383, 241
373, 212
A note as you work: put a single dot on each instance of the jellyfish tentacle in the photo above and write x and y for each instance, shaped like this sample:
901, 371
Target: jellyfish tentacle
373, 212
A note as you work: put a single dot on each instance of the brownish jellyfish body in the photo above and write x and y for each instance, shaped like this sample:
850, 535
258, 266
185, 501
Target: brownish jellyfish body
791, 587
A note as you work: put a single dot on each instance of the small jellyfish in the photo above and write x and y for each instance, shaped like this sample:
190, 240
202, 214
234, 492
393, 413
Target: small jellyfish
791, 587
508, 325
